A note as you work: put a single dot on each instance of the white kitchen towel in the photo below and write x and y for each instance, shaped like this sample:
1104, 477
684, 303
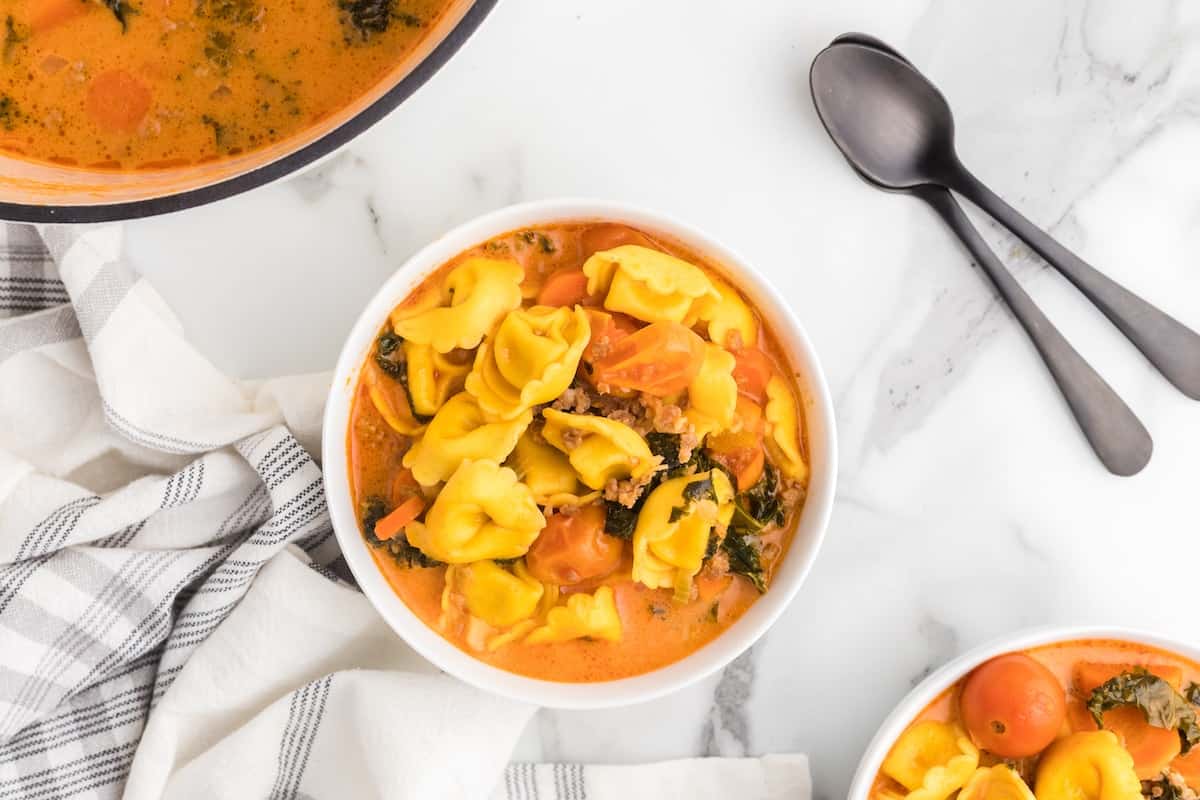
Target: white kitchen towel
168, 624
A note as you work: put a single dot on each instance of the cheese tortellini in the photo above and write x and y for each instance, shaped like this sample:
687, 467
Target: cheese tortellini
999, 782
1091, 765
482, 512
457, 432
647, 284
474, 296
529, 360
674, 527
933, 760
599, 449
783, 430
593, 616
432, 377
547, 472
712, 394
493, 594
726, 313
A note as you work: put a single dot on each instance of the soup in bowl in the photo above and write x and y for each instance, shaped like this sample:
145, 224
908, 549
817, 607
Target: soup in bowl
574, 445
1085, 715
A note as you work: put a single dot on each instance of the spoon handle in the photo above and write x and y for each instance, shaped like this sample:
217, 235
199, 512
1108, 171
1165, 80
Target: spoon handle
1168, 344
1114, 432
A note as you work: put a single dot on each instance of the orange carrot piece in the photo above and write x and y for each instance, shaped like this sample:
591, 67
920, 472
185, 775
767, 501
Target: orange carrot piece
118, 101
387, 527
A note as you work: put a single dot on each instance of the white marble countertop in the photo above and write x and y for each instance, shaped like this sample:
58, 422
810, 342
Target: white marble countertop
969, 503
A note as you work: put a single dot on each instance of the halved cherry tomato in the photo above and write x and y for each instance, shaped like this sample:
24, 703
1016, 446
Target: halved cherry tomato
117, 100
608, 328
1013, 706
387, 527
573, 548
567, 287
1152, 748
660, 359
608, 236
741, 453
752, 370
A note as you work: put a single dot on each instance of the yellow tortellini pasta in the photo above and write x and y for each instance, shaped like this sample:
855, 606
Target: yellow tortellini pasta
1000, 782
674, 526
599, 449
933, 760
457, 432
398, 420
432, 377
725, 313
647, 284
473, 298
712, 394
531, 359
783, 430
547, 472
593, 616
482, 512
1090, 765
493, 594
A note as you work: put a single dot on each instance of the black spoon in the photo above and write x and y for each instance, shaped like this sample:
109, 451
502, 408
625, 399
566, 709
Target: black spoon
902, 138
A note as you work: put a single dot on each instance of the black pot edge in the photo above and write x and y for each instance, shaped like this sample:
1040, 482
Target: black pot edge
110, 212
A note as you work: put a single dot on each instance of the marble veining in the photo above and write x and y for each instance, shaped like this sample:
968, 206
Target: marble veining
969, 504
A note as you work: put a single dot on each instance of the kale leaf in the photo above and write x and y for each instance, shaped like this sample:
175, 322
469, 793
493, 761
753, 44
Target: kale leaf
1161, 789
666, 447
398, 547
760, 505
389, 359
1163, 706
121, 10
376, 16
619, 521
1192, 693
745, 558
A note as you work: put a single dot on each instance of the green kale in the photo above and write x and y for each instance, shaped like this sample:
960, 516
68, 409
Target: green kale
121, 10
619, 521
760, 505
745, 558
369, 17
12, 38
238, 12
398, 547
218, 49
389, 358
666, 447
1163, 706
220, 132
698, 490
714, 541
1192, 693
10, 113
544, 242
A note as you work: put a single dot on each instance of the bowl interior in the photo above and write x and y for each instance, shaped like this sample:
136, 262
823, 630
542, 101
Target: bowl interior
933, 686
806, 543
39, 191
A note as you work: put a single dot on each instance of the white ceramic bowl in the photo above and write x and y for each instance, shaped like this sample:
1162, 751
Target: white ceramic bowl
818, 414
930, 688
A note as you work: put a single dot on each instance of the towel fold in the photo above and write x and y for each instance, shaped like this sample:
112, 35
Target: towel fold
170, 626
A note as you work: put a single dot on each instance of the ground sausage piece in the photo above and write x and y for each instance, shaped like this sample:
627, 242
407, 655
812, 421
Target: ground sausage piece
572, 438
627, 492
576, 399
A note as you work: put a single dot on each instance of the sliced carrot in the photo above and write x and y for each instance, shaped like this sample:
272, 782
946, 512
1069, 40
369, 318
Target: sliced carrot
1188, 767
118, 101
752, 372
1089, 675
660, 359
1152, 748
607, 329
567, 287
387, 527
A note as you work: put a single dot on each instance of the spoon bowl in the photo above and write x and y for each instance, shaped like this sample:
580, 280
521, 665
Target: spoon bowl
892, 124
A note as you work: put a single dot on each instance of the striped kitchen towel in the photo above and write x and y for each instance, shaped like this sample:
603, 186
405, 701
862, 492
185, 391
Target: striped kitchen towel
170, 626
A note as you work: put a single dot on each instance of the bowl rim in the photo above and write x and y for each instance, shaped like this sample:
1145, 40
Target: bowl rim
263, 174
696, 665
949, 673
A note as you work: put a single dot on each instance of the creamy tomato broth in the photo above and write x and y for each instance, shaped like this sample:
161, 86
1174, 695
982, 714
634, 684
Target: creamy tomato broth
577, 452
1024, 725
140, 84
